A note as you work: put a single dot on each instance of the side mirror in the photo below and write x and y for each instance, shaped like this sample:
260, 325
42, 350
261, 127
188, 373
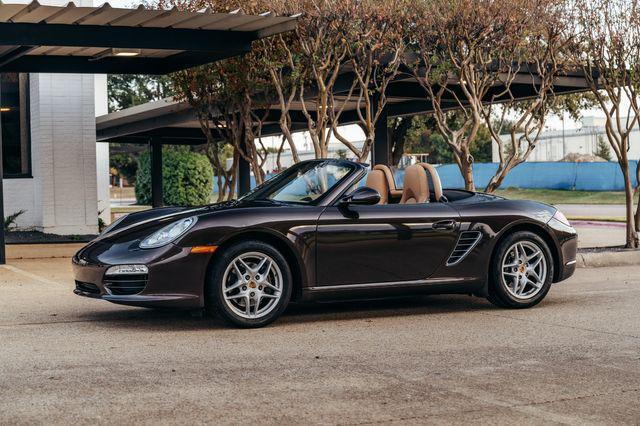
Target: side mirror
363, 196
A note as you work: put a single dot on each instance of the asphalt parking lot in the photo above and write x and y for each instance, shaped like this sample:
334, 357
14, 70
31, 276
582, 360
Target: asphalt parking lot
575, 359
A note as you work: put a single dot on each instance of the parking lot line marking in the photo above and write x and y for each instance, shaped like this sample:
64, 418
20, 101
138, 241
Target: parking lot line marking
30, 275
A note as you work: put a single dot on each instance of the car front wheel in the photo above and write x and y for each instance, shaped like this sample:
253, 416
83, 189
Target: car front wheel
250, 284
521, 271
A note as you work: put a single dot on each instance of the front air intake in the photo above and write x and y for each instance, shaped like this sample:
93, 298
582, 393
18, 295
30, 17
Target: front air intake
125, 285
466, 242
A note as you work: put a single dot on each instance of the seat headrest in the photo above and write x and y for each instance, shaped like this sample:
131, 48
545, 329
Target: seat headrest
388, 174
378, 181
416, 188
435, 185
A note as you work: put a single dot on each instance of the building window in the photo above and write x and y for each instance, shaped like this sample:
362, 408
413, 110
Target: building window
14, 117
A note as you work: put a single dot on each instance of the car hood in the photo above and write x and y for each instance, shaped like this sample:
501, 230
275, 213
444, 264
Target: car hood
154, 218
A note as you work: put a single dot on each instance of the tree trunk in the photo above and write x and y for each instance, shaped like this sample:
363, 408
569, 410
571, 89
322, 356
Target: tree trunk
637, 221
467, 174
632, 234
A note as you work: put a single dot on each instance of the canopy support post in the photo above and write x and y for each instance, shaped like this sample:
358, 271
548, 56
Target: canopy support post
3, 254
156, 173
381, 149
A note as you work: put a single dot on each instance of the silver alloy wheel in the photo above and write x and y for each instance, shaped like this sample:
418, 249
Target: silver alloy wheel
252, 285
524, 269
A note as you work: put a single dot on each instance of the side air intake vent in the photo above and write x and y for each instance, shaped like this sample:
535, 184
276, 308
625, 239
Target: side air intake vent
466, 242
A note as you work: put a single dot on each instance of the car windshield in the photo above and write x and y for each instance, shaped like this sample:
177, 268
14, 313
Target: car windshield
304, 183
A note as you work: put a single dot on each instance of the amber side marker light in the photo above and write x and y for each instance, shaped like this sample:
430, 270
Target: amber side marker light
203, 249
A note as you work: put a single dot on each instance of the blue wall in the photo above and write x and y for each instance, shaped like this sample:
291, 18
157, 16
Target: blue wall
545, 175
535, 175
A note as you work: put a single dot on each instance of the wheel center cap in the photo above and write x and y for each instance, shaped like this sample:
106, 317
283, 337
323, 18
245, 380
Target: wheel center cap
522, 269
252, 284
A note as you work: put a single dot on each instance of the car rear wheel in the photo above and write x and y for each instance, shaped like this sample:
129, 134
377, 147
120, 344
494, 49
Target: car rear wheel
250, 284
521, 271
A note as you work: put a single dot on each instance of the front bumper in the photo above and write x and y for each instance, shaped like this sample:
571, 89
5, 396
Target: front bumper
567, 245
175, 279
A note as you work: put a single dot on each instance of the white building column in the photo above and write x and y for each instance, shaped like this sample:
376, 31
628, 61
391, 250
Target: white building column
102, 152
63, 146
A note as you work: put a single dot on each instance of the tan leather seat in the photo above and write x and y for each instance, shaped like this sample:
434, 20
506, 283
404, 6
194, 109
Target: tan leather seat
391, 182
435, 185
377, 180
416, 188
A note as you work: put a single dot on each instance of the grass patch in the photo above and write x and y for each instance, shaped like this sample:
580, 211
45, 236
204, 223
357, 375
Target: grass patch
555, 196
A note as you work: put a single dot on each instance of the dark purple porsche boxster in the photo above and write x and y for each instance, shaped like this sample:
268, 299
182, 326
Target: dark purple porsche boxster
330, 229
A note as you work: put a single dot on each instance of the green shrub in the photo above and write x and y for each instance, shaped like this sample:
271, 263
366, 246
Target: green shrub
187, 178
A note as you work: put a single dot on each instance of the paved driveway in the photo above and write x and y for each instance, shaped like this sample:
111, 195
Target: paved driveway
573, 359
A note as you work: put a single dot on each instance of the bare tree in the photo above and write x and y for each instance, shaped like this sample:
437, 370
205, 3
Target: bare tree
375, 41
607, 50
536, 65
466, 50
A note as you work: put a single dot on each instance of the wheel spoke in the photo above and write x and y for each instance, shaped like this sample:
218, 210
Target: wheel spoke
510, 265
244, 265
511, 274
258, 299
270, 296
271, 286
234, 286
537, 261
534, 255
247, 305
261, 264
535, 275
237, 269
235, 296
534, 283
516, 281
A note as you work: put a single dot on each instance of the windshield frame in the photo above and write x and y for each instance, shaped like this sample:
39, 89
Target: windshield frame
256, 194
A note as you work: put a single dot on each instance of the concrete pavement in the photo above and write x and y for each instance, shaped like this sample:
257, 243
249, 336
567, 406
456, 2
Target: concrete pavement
593, 211
574, 359
593, 234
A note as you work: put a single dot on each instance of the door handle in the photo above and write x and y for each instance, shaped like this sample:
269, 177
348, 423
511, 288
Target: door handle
445, 225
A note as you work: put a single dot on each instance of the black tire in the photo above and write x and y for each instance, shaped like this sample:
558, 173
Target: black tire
214, 296
499, 295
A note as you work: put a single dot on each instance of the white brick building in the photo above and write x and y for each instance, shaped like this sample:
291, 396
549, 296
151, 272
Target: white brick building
49, 147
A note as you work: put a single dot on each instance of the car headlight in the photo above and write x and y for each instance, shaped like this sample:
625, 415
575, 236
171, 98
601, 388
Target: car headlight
168, 234
560, 217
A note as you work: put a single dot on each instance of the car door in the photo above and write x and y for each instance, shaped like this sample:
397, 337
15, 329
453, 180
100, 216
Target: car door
383, 243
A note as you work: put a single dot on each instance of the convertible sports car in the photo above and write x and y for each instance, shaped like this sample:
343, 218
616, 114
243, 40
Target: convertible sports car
325, 230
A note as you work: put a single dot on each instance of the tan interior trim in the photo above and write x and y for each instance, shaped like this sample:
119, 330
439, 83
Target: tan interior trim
416, 187
377, 180
393, 189
434, 180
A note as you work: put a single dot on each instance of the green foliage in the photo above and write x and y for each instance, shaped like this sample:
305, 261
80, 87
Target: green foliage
187, 178
10, 221
125, 91
603, 150
126, 165
423, 137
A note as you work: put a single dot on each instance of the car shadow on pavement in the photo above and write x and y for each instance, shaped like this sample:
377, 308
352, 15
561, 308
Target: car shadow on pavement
173, 320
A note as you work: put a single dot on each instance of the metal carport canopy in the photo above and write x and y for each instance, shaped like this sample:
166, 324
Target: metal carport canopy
107, 40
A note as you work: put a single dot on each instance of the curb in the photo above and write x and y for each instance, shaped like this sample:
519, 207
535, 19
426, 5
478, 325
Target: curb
608, 258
